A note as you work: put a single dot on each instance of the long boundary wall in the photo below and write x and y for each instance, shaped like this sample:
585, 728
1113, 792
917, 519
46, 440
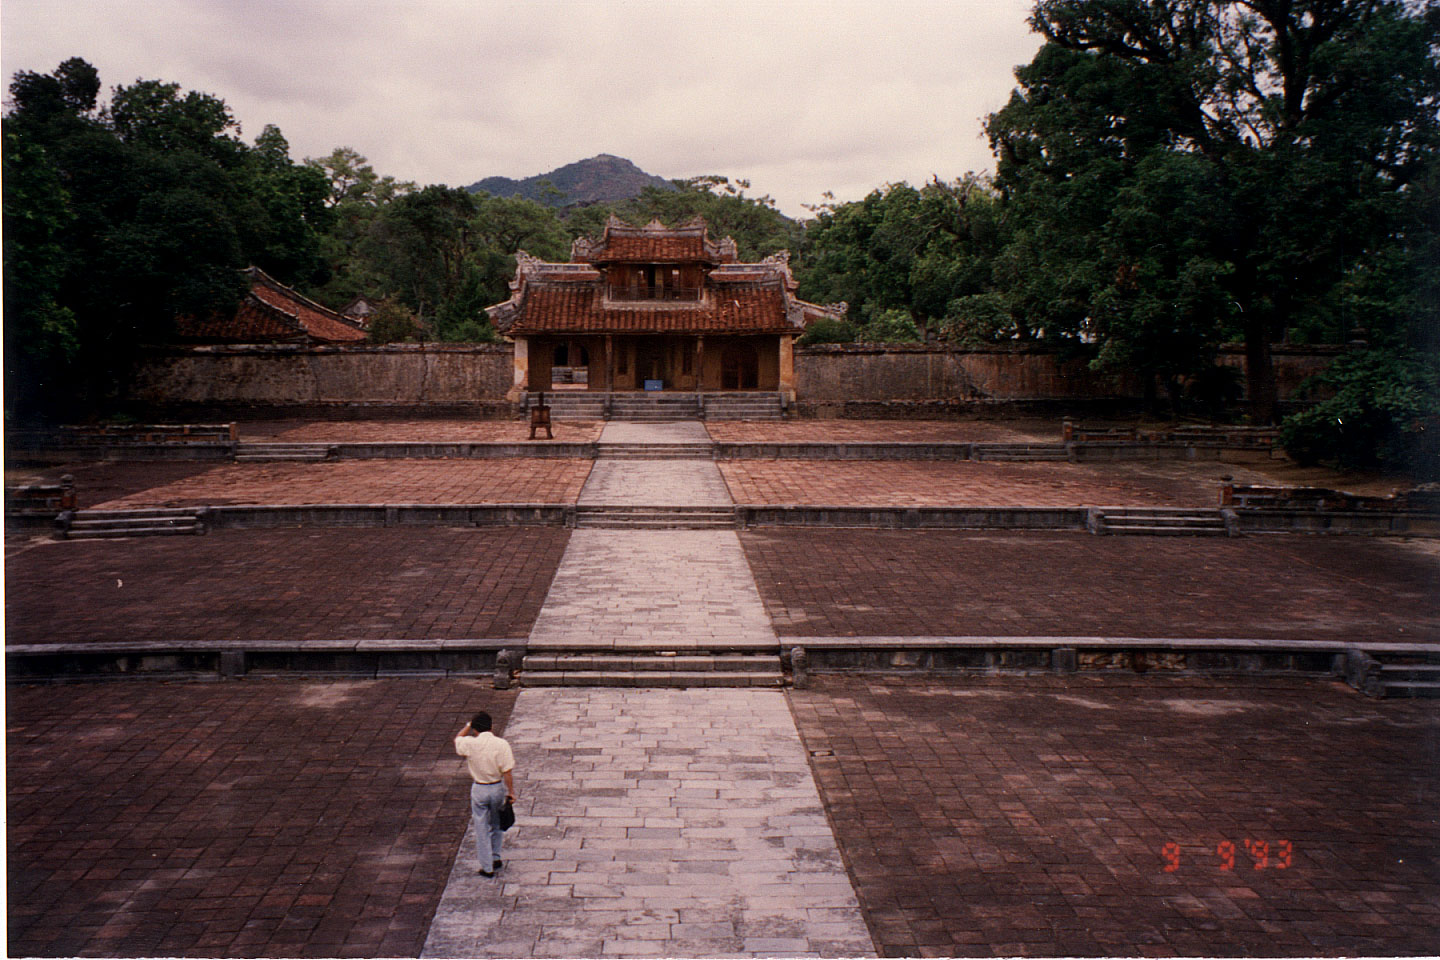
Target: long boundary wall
477, 377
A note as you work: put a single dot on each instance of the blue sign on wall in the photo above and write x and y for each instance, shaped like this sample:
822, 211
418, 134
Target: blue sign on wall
654, 384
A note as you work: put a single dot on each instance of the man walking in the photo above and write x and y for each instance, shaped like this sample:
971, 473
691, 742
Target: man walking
489, 761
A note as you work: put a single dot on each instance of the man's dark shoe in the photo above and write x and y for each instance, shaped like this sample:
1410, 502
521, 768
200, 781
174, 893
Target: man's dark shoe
499, 864
486, 873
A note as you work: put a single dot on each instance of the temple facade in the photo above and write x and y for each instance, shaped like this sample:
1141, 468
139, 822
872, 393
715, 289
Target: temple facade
655, 308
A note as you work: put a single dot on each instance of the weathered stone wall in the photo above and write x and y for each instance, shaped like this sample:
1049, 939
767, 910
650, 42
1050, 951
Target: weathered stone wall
834, 373
825, 376
839, 372
283, 375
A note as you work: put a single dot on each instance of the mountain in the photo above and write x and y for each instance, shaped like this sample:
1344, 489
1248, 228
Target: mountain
601, 179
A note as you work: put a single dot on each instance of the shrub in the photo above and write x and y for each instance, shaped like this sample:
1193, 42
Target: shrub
1383, 415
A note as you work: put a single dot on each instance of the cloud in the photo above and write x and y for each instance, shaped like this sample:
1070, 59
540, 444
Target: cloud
797, 96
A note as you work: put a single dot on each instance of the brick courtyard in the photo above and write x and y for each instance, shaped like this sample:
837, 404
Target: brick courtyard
424, 431
1029, 817
977, 816
366, 481
296, 584
886, 431
264, 818
899, 483
952, 583
999, 816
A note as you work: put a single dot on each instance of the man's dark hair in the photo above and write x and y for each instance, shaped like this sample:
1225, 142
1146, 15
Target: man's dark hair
480, 722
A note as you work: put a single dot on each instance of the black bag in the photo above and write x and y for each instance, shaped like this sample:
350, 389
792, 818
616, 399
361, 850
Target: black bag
507, 816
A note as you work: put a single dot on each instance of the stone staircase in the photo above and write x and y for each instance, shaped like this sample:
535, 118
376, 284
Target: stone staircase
570, 405
1395, 673
742, 406
149, 522
653, 668
703, 450
654, 407
1158, 521
1019, 452
626, 517
264, 452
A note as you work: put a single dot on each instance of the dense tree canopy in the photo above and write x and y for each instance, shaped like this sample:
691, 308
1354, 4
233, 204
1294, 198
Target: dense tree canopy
130, 215
1191, 168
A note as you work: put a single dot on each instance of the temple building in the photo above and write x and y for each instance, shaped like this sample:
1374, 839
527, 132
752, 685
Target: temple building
655, 308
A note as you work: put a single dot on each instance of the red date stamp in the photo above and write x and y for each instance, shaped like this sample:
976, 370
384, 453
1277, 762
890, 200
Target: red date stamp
1263, 856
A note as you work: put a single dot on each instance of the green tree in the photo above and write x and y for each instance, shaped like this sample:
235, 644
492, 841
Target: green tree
166, 205
903, 249
40, 332
1312, 117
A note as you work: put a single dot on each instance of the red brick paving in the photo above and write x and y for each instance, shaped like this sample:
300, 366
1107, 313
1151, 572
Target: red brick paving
293, 584
432, 431
1027, 816
977, 483
950, 583
258, 818
369, 481
879, 431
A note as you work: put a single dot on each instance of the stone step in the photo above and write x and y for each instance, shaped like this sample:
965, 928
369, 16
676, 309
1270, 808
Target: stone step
654, 523
655, 451
1413, 689
1169, 520
649, 662
1158, 531
1019, 452
251, 452
116, 533
1409, 673
153, 522
671, 678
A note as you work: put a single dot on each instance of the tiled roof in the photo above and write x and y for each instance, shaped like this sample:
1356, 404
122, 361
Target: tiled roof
735, 297
272, 312
653, 243
737, 308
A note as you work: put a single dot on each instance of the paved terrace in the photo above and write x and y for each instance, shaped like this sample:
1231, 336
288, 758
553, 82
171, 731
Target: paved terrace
447, 583
1009, 816
831, 483
1086, 815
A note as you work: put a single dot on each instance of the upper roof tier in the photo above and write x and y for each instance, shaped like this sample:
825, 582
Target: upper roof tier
653, 243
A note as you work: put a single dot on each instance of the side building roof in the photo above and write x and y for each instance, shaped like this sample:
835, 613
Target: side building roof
271, 312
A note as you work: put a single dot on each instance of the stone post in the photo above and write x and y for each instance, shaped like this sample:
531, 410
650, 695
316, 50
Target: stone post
504, 660
799, 668
521, 361
787, 369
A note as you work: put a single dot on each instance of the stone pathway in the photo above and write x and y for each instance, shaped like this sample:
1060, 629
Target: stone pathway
678, 823
656, 822
652, 590
683, 431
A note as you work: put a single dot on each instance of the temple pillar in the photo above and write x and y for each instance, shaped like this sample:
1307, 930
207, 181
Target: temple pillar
521, 361
699, 364
609, 362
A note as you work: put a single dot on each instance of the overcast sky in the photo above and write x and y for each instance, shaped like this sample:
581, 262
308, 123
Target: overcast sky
798, 97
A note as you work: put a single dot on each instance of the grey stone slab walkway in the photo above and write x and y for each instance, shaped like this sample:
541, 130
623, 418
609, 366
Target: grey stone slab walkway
655, 483
681, 431
675, 823
653, 589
